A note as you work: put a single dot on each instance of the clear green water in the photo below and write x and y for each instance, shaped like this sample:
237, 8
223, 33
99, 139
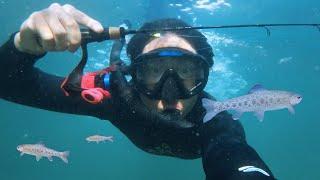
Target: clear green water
287, 60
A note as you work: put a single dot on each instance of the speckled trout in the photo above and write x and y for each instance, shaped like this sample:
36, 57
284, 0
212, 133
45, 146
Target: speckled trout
258, 100
40, 150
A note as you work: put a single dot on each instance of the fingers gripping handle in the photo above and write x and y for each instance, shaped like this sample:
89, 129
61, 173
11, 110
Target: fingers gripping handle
88, 36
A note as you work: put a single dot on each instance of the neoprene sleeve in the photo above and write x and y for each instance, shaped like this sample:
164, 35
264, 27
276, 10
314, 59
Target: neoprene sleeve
25, 84
225, 152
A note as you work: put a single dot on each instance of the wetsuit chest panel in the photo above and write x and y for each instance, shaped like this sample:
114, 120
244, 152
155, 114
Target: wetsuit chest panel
159, 141
184, 144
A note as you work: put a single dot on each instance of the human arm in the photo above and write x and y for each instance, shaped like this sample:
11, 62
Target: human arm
25, 84
226, 154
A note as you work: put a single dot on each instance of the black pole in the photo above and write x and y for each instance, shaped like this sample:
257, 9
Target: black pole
89, 36
220, 27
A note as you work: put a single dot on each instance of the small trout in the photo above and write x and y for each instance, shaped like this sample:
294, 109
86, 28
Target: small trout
258, 100
40, 150
99, 138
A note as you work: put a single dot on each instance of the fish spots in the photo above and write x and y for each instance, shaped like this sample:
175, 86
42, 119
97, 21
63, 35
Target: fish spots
234, 105
224, 106
271, 100
245, 103
35, 150
254, 102
240, 104
262, 101
40, 151
281, 100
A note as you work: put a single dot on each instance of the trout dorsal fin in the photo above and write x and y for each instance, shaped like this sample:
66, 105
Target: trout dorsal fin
255, 88
40, 143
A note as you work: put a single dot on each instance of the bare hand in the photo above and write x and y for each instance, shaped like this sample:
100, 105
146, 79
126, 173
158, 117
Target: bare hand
55, 28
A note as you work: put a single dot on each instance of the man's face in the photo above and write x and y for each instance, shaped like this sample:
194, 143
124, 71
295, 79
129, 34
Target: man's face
183, 105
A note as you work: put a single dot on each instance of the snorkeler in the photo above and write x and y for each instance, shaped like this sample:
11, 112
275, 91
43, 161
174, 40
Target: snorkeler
159, 110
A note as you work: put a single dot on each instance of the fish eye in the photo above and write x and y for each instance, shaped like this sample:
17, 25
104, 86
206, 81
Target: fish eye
299, 97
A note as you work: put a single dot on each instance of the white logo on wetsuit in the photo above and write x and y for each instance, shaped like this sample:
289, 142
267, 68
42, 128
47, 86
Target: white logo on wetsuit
252, 169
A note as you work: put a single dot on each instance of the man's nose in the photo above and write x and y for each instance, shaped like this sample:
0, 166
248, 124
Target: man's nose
170, 91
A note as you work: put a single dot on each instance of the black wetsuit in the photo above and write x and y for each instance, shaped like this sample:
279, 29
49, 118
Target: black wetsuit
221, 142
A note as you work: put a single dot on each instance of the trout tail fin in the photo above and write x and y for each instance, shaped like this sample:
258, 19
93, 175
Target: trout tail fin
64, 156
110, 138
211, 109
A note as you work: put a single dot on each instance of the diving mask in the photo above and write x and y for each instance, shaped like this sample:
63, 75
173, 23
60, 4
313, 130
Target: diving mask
172, 70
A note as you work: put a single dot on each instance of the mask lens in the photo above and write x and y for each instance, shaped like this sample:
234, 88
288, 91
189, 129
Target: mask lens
150, 71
